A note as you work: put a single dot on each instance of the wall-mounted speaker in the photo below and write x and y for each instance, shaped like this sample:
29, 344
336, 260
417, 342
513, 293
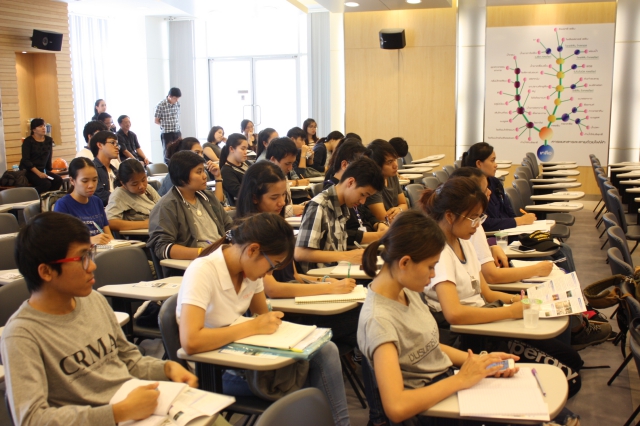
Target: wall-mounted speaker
392, 38
46, 40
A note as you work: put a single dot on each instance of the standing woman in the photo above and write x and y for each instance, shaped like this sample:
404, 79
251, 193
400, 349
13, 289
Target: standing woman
310, 127
37, 151
98, 108
211, 148
323, 150
233, 164
264, 138
246, 127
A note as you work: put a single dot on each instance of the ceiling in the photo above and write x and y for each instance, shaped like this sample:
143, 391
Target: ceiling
337, 6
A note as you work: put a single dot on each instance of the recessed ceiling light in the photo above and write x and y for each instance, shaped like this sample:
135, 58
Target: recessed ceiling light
414, 1
351, 4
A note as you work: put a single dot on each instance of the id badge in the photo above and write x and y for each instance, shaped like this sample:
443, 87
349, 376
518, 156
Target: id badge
362, 229
475, 283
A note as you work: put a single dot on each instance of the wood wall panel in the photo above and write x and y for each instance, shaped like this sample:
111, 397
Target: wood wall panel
18, 19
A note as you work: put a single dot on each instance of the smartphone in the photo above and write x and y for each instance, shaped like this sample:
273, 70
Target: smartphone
504, 365
523, 249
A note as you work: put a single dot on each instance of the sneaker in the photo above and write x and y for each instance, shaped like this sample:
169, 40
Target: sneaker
593, 333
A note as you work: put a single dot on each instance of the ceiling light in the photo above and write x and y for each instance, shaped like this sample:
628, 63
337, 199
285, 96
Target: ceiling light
414, 1
351, 4
24, 52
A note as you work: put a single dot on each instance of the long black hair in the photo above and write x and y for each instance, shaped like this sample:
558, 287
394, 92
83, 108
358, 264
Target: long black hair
255, 184
233, 141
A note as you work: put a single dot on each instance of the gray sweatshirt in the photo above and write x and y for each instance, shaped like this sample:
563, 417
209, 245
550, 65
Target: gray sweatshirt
62, 370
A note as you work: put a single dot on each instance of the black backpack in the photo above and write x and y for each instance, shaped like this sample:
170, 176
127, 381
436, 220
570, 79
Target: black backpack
13, 178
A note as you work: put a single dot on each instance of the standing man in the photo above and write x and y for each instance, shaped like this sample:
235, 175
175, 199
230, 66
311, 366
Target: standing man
167, 116
129, 146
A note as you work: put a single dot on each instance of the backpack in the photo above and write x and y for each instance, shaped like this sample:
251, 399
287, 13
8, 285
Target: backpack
13, 178
48, 199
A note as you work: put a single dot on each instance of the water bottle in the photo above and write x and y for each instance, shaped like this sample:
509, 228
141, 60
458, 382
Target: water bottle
15, 168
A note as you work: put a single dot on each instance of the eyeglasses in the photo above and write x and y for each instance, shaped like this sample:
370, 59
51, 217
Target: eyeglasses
477, 221
86, 258
116, 144
273, 267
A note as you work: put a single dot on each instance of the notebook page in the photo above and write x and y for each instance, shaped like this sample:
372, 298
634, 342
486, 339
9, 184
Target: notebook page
358, 293
286, 337
515, 396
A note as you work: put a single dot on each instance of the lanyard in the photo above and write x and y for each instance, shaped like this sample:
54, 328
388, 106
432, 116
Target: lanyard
355, 209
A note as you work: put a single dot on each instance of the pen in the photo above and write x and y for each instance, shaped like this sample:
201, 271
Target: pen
296, 350
97, 227
357, 245
559, 260
535, 374
534, 281
349, 271
386, 220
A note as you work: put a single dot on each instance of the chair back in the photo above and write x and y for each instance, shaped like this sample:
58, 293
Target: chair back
400, 163
31, 211
534, 160
170, 329
514, 199
522, 172
307, 407
603, 190
157, 169
316, 188
617, 264
18, 195
124, 265
7, 257
610, 220
441, 175
431, 182
448, 169
457, 164
617, 239
408, 159
523, 188
8, 223
617, 209
534, 171
156, 184
414, 191
11, 297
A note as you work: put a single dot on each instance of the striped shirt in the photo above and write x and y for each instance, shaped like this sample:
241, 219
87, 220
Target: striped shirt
169, 115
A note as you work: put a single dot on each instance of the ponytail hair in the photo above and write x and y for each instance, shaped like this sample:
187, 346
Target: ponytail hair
180, 145
270, 231
458, 195
233, 141
478, 152
411, 234
264, 136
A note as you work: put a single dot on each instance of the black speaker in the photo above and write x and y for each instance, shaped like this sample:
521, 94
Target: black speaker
392, 38
46, 40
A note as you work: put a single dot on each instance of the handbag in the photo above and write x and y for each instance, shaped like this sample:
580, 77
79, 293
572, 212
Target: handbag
274, 384
606, 292
538, 240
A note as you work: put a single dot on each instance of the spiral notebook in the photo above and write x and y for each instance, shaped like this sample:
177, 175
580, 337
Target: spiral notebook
358, 294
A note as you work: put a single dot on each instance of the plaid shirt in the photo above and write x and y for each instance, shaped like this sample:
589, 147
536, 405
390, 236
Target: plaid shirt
169, 116
323, 224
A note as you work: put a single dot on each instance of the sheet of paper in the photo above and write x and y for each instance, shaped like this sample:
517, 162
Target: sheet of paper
358, 293
168, 393
555, 271
156, 284
286, 337
560, 296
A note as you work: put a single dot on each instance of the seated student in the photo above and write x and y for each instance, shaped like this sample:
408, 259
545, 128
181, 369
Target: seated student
264, 138
64, 352
104, 147
246, 127
400, 146
388, 203
323, 149
226, 280
334, 166
81, 201
233, 164
362, 226
282, 152
188, 218
133, 199
395, 323
212, 169
129, 145
211, 149
107, 120
37, 154
298, 136
322, 239
90, 129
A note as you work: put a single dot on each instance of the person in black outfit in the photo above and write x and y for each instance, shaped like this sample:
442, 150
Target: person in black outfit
37, 153
323, 148
233, 164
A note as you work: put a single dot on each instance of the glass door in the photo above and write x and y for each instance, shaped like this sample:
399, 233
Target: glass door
231, 93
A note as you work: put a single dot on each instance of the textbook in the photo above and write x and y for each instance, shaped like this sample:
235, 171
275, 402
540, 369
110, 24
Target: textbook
517, 397
358, 294
560, 296
286, 337
113, 244
178, 404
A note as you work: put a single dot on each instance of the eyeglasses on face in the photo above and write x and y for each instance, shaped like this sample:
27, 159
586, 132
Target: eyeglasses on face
477, 221
271, 264
114, 143
86, 258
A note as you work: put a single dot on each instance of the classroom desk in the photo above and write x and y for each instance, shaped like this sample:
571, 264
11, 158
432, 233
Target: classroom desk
512, 287
294, 221
300, 188
404, 182
561, 173
416, 170
428, 159
122, 318
555, 207
513, 254
128, 291
623, 164
356, 273
557, 185
559, 196
502, 173
17, 206
414, 165
504, 162
624, 169
503, 165
316, 179
290, 306
176, 263
159, 175
632, 182
143, 232
410, 176
629, 175
553, 180
547, 328
133, 244
559, 167
556, 163
5, 281
552, 378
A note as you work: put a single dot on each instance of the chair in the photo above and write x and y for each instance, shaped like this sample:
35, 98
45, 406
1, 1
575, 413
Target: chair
535, 171
307, 407
316, 188
7, 259
156, 184
524, 189
400, 163
631, 232
523, 173
170, 333
431, 182
617, 264
8, 223
628, 310
157, 169
457, 164
231, 213
618, 240
449, 169
408, 159
18, 195
414, 190
12, 296
30, 211
441, 175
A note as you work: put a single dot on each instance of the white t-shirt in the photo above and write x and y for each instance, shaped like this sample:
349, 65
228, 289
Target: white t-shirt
86, 152
466, 276
481, 246
207, 285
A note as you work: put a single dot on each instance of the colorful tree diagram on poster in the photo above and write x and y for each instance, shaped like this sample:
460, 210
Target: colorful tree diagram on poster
550, 87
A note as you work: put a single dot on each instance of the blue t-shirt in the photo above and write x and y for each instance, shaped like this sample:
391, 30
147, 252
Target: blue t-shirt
93, 211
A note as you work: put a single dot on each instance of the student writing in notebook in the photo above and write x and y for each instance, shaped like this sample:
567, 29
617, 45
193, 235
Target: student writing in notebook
64, 353
220, 286
81, 201
264, 189
399, 336
282, 152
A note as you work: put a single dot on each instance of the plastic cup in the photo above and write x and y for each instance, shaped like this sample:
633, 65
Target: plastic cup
531, 312
502, 239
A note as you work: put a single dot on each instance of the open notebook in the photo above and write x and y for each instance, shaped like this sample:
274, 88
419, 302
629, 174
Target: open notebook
113, 244
286, 337
359, 293
555, 271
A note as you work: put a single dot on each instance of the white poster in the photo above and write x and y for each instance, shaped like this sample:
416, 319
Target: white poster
548, 91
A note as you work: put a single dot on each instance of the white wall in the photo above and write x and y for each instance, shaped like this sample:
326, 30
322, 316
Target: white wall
157, 58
